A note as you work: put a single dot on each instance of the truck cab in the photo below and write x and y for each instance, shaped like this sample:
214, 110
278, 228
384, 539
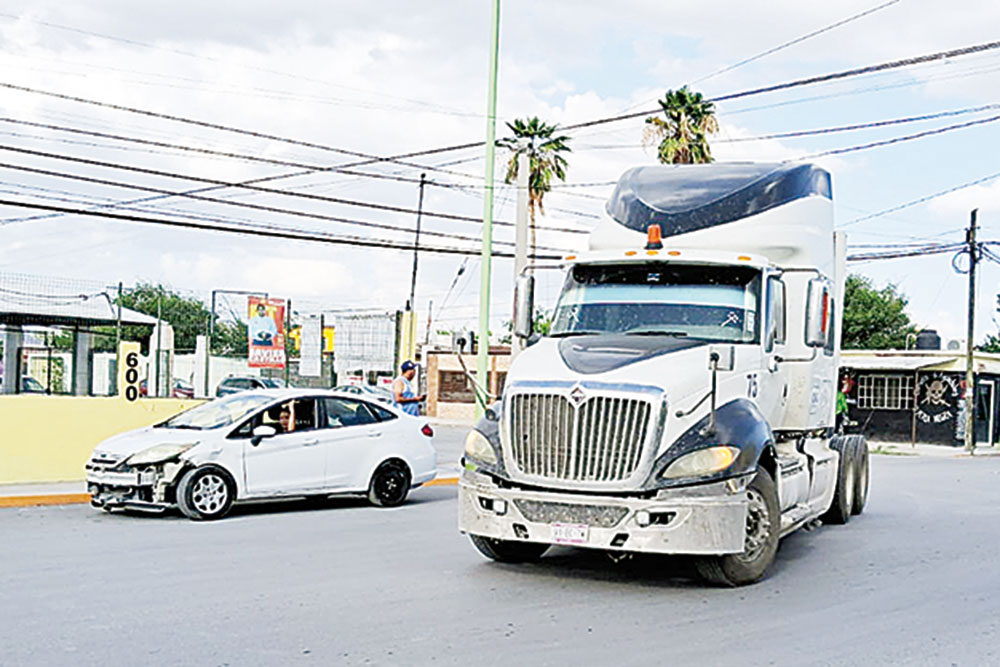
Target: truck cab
683, 400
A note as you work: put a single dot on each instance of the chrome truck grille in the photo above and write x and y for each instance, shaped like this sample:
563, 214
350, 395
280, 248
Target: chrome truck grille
600, 439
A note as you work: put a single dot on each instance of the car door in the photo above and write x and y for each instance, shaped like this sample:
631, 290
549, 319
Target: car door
353, 434
289, 462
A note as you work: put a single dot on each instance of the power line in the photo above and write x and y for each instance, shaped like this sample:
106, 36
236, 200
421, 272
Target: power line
252, 133
921, 200
265, 230
906, 137
258, 207
200, 56
795, 41
861, 126
229, 202
823, 78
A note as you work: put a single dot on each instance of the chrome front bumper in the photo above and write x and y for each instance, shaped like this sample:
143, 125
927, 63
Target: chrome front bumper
708, 519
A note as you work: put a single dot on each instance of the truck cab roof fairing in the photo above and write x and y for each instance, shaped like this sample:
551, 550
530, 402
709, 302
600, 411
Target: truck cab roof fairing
687, 198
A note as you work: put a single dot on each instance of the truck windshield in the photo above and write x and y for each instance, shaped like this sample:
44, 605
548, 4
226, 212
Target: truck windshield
705, 302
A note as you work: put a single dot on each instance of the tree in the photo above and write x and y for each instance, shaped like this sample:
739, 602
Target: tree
874, 319
991, 344
682, 138
535, 138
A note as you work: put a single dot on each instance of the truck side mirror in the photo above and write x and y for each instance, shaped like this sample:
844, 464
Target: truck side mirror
524, 305
818, 313
723, 356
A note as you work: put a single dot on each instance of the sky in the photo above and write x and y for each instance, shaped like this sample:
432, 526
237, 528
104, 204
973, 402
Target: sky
392, 77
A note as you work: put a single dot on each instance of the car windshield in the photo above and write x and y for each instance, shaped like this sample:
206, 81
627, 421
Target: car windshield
220, 412
705, 302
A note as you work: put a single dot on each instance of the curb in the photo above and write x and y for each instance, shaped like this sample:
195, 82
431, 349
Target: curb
45, 499
84, 498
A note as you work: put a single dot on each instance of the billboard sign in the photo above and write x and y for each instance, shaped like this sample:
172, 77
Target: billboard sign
266, 333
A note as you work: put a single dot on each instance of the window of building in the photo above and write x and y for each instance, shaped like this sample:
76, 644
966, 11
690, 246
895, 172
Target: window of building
885, 392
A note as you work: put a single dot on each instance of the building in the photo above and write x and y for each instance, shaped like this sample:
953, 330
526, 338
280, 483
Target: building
918, 395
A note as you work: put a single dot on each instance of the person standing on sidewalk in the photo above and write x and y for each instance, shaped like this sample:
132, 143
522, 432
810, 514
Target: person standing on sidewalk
403, 395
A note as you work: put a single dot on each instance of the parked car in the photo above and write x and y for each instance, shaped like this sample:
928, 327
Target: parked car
264, 444
181, 389
380, 394
238, 383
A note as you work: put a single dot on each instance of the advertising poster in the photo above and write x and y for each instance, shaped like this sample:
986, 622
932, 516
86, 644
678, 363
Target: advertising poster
266, 333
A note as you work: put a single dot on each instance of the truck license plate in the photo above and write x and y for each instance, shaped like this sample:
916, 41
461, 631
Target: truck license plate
570, 533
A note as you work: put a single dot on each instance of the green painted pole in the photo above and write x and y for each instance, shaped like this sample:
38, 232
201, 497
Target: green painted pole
482, 360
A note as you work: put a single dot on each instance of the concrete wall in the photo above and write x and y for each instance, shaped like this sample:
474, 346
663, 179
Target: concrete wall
49, 438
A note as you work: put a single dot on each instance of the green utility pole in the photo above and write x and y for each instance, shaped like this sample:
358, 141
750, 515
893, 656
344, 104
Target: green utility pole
482, 377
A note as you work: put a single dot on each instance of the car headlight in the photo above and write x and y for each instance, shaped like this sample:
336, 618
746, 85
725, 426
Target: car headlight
158, 454
702, 462
477, 447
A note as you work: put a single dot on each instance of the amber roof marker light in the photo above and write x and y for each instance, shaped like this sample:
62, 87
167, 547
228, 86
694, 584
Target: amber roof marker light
654, 237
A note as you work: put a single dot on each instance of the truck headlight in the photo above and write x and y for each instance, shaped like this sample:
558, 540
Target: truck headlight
158, 454
477, 447
702, 462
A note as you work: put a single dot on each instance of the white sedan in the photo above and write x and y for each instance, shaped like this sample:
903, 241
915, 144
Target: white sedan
264, 444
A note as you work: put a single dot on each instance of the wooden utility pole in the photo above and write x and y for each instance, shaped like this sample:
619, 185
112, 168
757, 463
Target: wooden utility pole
412, 303
970, 376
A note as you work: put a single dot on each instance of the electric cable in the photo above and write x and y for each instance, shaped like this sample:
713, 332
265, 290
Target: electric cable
269, 231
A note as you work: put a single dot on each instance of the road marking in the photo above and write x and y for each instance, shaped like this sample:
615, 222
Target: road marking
47, 499
442, 481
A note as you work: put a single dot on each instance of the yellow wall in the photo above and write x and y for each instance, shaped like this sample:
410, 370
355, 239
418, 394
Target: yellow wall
49, 438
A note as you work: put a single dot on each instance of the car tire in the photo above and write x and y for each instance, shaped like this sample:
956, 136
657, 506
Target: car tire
206, 493
843, 497
763, 527
390, 484
508, 551
862, 476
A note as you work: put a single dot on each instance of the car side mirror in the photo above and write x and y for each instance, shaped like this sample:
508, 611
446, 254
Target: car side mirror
261, 432
818, 314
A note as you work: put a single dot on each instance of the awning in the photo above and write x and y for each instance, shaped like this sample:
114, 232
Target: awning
26, 303
891, 362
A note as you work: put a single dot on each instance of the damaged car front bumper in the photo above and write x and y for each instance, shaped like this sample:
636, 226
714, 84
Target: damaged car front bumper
118, 486
703, 519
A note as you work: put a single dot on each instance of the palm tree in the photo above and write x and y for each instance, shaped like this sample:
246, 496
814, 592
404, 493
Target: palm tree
535, 138
683, 137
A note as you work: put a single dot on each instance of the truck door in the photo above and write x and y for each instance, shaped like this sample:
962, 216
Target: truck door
771, 379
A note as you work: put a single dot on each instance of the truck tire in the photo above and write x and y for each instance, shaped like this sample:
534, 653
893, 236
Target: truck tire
508, 551
762, 530
843, 497
206, 493
862, 476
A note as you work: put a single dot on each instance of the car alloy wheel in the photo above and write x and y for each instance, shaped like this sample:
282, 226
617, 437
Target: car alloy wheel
209, 493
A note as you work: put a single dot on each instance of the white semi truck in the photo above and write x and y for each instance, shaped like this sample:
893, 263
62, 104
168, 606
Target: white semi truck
683, 401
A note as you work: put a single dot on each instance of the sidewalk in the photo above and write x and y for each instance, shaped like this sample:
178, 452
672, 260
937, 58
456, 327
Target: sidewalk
940, 451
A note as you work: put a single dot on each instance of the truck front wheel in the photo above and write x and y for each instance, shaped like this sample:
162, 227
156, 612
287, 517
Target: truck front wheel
762, 529
508, 551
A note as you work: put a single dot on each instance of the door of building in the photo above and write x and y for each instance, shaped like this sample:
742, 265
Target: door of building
985, 413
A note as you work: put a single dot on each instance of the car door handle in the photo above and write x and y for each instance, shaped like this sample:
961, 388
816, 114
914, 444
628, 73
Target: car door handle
310, 443
376, 434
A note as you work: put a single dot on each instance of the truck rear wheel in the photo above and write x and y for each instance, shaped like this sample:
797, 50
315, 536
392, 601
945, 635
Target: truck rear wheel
762, 530
843, 498
508, 551
862, 475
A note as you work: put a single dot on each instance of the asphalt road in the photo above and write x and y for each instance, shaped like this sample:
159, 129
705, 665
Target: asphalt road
912, 581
